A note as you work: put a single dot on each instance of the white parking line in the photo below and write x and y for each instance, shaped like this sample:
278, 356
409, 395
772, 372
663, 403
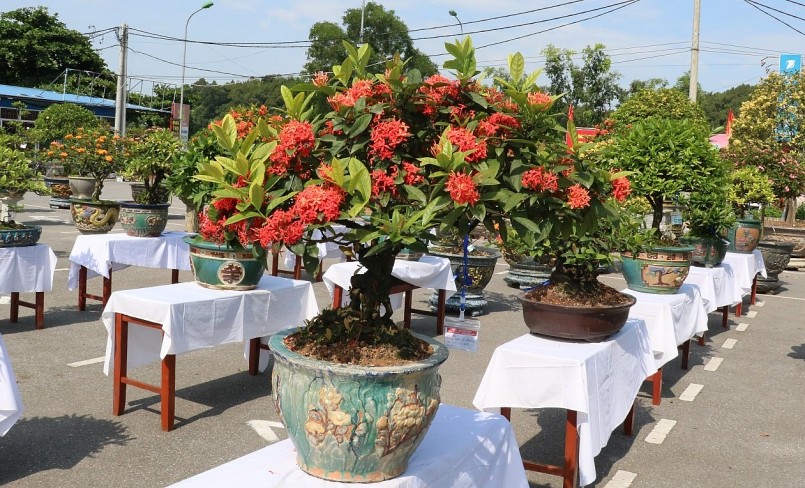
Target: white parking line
760, 304
86, 362
622, 479
742, 327
660, 431
690, 392
265, 428
752, 314
729, 343
713, 364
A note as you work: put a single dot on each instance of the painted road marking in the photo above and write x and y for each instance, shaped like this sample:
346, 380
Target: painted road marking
5, 299
622, 479
713, 364
690, 392
265, 428
86, 362
729, 343
742, 327
501, 272
660, 431
760, 304
752, 314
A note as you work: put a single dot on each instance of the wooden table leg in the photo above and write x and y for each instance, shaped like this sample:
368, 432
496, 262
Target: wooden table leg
254, 356
168, 391
297, 268
628, 424
15, 307
275, 263
174, 276
701, 339
107, 288
754, 290
120, 364
440, 311
82, 288
725, 317
39, 310
338, 294
571, 466
739, 308
409, 300
685, 353
656, 387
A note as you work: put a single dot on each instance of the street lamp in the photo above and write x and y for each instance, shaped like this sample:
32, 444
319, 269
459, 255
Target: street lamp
205, 5
454, 14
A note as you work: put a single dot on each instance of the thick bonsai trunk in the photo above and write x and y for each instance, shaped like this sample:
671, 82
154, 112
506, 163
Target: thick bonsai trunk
190, 217
656, 212
370, 291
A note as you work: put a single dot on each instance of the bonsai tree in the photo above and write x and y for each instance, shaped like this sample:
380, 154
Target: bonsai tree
151, 161
61, 119
194, 193
95, 154
392, 159
748, 185
16, 178
667, 103
667, 157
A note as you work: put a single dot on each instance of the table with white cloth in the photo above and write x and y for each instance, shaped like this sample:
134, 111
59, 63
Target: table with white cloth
326, 250
182, 317
10, 400
719, 288
746, 266
429, 272
595, 382
672, 321
101, 254
462, 449
27, 269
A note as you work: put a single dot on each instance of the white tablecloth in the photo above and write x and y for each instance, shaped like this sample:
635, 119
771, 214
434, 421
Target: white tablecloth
326, 249
10, 400
718, 285
462, 449
598, 380
429, 272
746, 266
102, 252
194, 317
27, 268
670, 319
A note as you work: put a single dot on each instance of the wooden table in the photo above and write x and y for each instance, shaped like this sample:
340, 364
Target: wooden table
27, 269
596, 383
164, 321
101, 254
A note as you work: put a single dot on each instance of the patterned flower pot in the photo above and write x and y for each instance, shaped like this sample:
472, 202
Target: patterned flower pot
222, 267
707, 251
141, 220
354, 423
776, 254
82, 187
26, 236
137, 188
580, 323
527, 273
60, 191
94, 217
744, 236
480, 268
661, 270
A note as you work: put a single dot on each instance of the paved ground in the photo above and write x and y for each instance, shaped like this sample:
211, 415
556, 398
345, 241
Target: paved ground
743, 429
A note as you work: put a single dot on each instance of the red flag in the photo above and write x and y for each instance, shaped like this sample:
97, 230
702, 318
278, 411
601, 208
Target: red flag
570, 126
730, 118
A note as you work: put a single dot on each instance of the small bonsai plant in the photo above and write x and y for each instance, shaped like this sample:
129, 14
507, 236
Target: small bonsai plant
151, 161
194, 193
95, 154
16, 178
752, 176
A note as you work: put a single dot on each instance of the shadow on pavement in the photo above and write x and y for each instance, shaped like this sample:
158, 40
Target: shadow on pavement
797, 352
44, 443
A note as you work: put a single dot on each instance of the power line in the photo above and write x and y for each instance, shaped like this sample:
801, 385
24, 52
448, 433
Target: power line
751, 3
778, 10
197, 69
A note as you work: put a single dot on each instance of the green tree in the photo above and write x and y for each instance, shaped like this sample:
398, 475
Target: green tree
35, 47
668, 103
640, 85
61, 119
716, 105
383, 30
592, 88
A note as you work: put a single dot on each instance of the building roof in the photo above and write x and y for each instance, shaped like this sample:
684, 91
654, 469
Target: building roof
49, 97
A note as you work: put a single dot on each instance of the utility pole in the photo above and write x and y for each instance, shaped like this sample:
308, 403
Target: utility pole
694, 52
121, 98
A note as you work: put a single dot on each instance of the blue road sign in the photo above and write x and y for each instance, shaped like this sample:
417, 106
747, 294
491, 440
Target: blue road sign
790, 63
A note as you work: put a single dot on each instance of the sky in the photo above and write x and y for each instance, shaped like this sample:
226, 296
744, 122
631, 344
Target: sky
644, 38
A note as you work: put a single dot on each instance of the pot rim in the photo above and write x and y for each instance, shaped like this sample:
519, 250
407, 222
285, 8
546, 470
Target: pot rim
570, 308
198, 241
133, 204
279, 349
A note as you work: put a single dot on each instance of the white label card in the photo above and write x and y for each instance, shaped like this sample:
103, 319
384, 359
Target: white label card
460, 334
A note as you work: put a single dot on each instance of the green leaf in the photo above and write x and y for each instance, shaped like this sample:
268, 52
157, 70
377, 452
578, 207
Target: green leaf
360, 125
287, 97
516, 67
527, 223
359, 179
415, 193
256, 194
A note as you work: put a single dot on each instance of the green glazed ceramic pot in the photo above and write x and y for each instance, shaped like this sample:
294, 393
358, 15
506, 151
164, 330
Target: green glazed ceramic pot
20, 237
354, 423
744, 236
707, 251
660, 270
222, 267
142, 220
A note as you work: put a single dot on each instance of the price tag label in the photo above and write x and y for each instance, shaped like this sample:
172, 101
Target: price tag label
676, 218
460, 334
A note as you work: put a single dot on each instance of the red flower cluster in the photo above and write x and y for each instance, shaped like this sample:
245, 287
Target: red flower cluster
412, 176
295, 141
540, 99
386, 136
621, 188
315, 204
578, 196
383, 182
497, 124
359, 89
462, 189
321, 79
438, 90
500, 100
540, 180
464, 140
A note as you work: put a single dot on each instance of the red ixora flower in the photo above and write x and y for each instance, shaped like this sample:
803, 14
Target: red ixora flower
383, 182
578, 196
540, 180
437, 89
462, 189
386, 136
317, 199
540, 99
464, 140
412, 176
621, 188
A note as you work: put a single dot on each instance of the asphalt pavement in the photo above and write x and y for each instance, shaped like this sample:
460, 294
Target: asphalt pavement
742, 429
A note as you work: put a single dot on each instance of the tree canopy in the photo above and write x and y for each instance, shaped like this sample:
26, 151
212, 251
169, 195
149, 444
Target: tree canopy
35, 47
383, 30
